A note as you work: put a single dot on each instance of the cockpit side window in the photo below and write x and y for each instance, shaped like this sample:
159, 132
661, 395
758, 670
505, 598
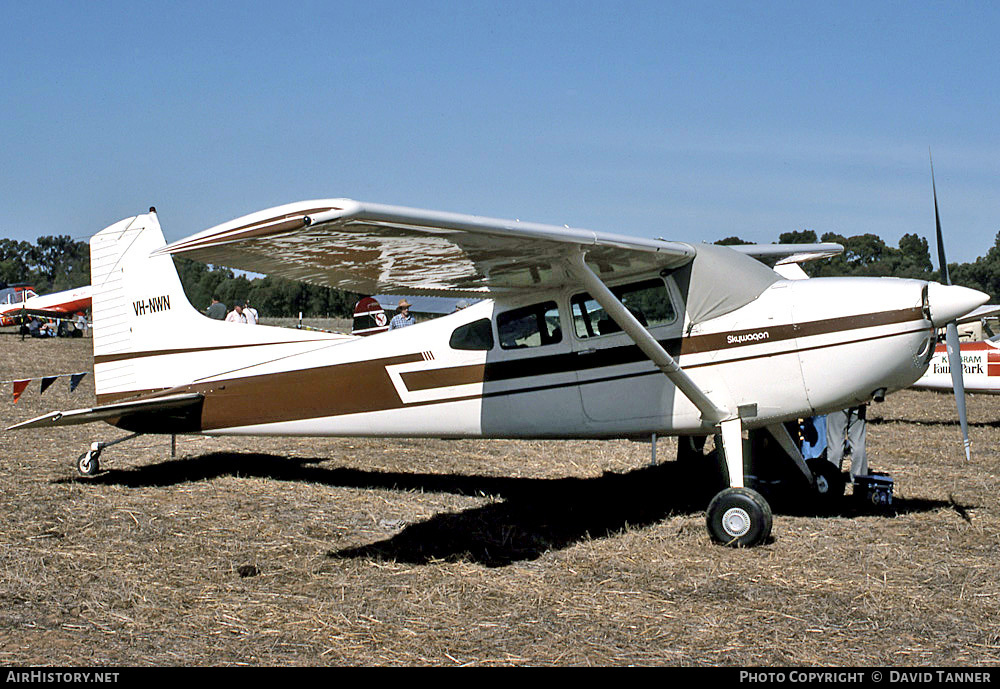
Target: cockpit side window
530, 326
648, 301
476, 336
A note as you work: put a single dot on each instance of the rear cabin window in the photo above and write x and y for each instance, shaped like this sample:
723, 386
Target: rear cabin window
529, 326
477, 335
648, 301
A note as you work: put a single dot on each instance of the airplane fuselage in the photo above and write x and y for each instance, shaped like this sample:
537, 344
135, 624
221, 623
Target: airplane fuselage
545, 366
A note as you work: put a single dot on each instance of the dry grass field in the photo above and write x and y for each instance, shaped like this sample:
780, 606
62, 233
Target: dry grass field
425, 552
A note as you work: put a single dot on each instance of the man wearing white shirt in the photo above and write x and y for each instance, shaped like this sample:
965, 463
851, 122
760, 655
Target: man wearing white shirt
236, 315
251, 314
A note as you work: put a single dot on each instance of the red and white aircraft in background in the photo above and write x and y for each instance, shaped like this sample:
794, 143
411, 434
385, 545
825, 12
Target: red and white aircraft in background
19, 301
980, 361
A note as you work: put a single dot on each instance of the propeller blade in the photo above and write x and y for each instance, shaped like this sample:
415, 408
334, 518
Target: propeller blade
951, 332
958, 381
942, 261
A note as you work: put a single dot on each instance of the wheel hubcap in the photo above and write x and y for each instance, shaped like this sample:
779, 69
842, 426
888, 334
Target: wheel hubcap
736, 522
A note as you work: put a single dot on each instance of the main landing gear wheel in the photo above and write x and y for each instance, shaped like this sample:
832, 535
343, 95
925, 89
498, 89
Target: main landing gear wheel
739, 517
87, 463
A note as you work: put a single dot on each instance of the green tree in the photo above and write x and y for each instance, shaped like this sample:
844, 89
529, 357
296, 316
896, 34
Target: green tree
797, 237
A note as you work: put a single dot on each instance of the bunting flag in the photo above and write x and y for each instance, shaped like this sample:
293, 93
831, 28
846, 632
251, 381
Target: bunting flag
19, 386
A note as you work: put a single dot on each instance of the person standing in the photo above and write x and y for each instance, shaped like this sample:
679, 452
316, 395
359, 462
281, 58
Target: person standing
250, 313
403, 318
217, 309
236, 315
848, 425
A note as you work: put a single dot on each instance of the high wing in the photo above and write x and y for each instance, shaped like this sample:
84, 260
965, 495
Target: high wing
376, 248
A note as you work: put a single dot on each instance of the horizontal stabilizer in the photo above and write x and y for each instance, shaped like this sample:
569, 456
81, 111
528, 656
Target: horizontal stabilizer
157, 405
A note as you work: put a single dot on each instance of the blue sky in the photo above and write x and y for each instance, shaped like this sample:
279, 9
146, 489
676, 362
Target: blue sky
691, 121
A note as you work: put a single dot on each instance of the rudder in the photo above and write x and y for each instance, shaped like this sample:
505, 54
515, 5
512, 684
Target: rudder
136, 299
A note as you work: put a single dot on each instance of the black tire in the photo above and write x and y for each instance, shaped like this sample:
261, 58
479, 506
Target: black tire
87, 463
828, 482
739, 517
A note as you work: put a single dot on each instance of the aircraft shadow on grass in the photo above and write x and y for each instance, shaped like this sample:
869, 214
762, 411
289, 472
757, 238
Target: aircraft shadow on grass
529, 516
933, 422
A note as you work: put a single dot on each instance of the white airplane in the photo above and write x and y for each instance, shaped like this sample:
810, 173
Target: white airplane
581, 334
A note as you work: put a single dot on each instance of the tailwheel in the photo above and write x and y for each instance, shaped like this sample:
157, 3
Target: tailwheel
739, 517
87, 463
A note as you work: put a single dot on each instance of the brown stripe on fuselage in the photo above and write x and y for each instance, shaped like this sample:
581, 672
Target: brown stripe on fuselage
112, 397
110, 358
777, 333
443, 377
305, 394
365, 386
290, 395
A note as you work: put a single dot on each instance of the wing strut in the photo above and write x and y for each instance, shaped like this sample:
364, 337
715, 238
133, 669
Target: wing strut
578, 268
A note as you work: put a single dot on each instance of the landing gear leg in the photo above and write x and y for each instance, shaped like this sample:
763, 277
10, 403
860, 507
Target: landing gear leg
737, 516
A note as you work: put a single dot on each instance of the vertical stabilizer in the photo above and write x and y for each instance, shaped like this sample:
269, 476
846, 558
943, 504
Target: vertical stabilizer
136, 299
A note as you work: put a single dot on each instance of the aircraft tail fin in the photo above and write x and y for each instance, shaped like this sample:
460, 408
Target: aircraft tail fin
138, 302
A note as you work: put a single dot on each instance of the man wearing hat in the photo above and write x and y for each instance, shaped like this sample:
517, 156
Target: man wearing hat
403, 318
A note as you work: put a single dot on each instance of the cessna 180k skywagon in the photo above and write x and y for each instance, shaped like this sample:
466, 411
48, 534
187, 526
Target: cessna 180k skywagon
581, 334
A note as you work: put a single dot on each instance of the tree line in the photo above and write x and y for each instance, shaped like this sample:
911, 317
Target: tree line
272, 297
59, 263
52, 264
